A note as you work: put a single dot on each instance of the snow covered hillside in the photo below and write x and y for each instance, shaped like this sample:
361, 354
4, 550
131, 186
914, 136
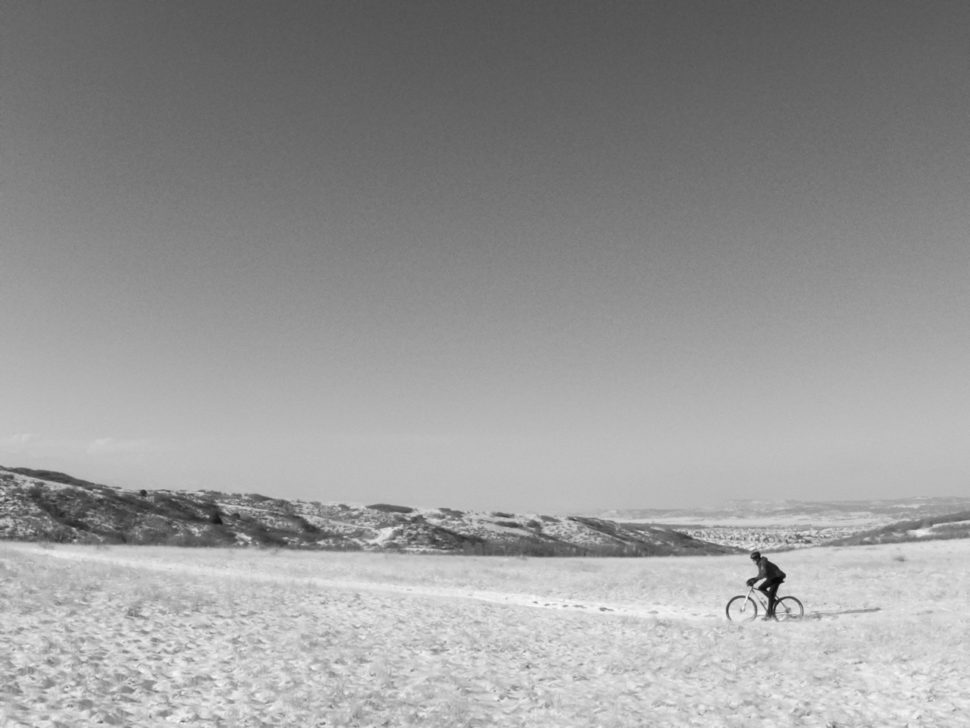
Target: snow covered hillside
48, 506
41, 505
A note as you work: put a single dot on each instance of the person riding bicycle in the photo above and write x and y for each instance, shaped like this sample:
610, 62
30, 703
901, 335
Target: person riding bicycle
773, 577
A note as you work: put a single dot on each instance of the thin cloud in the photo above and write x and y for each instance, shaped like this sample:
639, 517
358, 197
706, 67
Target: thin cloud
19, 443
21, 439
111, 446
32, 444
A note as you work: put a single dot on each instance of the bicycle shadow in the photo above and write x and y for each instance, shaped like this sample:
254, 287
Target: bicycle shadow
866, 610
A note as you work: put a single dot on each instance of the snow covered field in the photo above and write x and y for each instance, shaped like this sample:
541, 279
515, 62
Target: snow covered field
146, 636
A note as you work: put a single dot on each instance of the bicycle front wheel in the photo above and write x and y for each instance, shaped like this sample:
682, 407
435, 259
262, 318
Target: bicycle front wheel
788, 608
741, 609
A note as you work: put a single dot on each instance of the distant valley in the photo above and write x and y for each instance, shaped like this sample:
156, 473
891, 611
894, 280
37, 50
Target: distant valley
753, 524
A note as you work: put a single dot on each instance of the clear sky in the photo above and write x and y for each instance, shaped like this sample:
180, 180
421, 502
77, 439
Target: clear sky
548, 256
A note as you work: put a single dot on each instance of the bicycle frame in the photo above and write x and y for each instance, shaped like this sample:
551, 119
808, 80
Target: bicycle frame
759, 597
749, 605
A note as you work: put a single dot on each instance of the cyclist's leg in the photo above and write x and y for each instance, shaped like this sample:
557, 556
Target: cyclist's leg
765, 588
771, 589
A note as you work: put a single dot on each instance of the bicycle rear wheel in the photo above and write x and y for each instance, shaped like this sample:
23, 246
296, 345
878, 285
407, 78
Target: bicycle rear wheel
788, 608
741, 609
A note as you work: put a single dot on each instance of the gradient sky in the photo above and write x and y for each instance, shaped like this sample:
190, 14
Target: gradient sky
547, 256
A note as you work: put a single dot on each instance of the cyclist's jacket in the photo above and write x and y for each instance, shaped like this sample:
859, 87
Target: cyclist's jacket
768, 570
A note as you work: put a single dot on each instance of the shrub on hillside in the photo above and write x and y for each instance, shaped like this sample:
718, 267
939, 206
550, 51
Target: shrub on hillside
61, 534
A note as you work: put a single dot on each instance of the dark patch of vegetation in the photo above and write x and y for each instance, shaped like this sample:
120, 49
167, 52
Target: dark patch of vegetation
554, 548
181, 508
387, 508
953, 530
305, 526
65, 507
206, 538
675, 542
608, 528
61, 534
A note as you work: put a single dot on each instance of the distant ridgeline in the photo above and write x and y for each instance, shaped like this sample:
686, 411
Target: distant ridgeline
41, 505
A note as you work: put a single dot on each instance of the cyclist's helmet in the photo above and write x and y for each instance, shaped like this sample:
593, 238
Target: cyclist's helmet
755, 555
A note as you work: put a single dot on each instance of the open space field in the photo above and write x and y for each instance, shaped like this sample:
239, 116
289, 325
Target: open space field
146, 636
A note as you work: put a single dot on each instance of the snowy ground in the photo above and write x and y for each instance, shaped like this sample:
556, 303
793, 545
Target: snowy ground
145, 636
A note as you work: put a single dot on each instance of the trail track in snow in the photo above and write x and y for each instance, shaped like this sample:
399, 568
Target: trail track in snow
656, 611
512, 599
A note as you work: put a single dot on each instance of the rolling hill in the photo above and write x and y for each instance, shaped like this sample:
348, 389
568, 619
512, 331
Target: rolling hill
947, 526
40, 505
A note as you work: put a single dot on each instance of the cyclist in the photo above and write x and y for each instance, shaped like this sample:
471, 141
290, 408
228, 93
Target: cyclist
773, 577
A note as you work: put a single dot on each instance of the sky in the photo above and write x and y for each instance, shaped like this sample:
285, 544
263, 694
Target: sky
544, 256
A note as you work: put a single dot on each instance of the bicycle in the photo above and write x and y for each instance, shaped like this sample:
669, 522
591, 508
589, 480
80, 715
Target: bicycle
745, 607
